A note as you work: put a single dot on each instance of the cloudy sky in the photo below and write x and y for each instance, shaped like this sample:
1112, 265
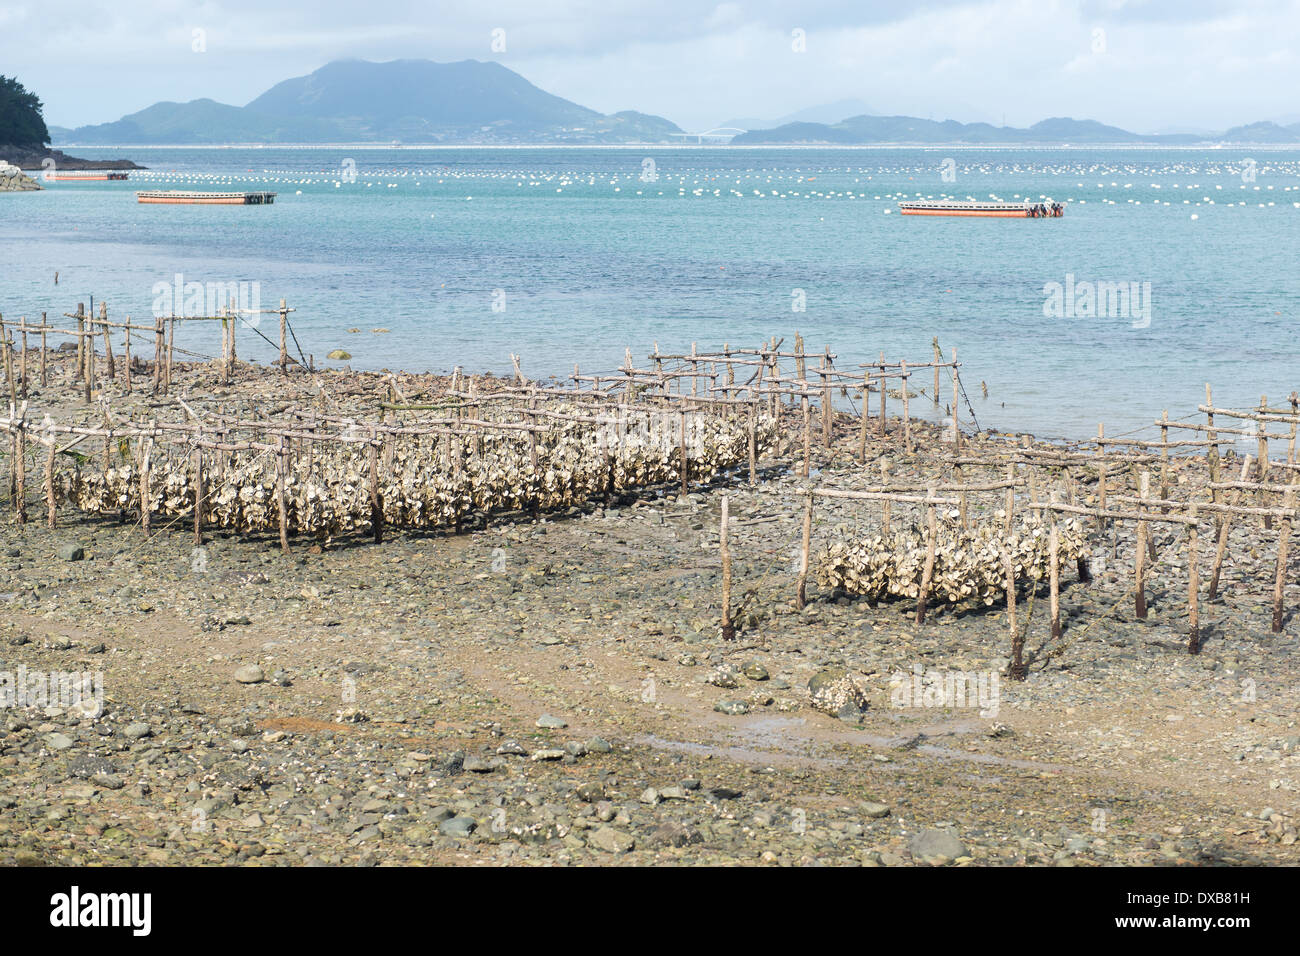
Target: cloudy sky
1146, 65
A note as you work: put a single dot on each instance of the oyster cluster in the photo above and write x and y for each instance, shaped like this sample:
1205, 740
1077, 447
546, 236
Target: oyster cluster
968, 566
428, 481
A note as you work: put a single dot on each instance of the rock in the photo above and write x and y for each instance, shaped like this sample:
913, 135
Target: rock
547, 722
457, 827
547, 753
57, 741
599, 745
833, 691
610, 840
339, 355
875, 810
137, 731
71, 551
937, 846
731, 707
250, 674
673, 833
479, 765
650, 795
755, 671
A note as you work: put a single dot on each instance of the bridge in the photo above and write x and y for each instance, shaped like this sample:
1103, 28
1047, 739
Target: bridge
723, 134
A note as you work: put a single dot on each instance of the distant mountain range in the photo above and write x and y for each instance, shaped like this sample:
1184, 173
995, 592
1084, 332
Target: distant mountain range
866, 130
411, 101
419, 101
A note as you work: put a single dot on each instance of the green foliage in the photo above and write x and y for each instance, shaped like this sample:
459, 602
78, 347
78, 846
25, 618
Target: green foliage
21, 122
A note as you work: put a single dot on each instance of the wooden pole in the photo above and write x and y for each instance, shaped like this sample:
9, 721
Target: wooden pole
376, 499
801, 597
938, 360
753, 446
170, 347
1140, 594
884, 392
1011, 496
862, 436
885, 510
108, 341
1193, 586
807, 433
1221, 548
956, 387
22, 362
728, 629
927, 576
682, 448
50, 506
126, 353
1054, 571
828, 411
281, 466
1018, 669
284, 345
907, 418
43, 349
20, 468
81, 341
146, 450
1279, 577
196, 457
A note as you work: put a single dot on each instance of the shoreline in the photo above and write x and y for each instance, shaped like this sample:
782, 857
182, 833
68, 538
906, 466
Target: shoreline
554, 688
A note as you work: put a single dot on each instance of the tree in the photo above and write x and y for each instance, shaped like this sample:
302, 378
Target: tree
21, 122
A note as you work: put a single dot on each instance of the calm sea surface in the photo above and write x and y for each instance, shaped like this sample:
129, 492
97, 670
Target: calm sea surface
566, 256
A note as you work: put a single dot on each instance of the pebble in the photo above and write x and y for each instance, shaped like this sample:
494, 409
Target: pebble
250, 674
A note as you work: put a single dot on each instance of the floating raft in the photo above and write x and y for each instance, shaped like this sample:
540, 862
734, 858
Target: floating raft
1006, 210
88, 176
192, 198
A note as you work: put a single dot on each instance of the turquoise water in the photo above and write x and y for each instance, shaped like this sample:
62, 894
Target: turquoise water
582, 256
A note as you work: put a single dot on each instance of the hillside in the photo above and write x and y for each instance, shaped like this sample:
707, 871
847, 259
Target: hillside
411, 101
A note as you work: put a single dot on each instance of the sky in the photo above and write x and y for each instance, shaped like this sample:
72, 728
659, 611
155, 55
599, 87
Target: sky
1144, 65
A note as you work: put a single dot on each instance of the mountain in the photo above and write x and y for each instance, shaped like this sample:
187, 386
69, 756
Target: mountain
412, 101
827, 113
864, 130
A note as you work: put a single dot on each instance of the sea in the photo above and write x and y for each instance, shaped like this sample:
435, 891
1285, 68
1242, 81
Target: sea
1170, 269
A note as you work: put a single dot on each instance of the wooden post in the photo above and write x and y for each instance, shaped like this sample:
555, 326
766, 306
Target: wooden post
1193, 587
828, 401
862, 436
884, 392
1018, 669
126, 353
158, 353
1011, 496
886, 505
1164, 456
284, 345
108, 341
376, 499
1221, 548
281, 466
807, 430
49, 481
728, 629
1140, 594
682, 448
43, 348
753, 445
927, 576
956, 387
1101, 475
938, 360
146, 450
22, 361
907, 419
801, 596
196, 457
170, 347
20, 468
1279, 577
81, 341
1054, 570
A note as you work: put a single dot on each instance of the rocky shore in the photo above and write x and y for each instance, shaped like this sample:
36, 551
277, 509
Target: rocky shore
28, 157
13, 180
554, 690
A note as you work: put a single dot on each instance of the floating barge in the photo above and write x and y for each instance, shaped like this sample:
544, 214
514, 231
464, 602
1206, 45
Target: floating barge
1005, 210
83, 177
196, 198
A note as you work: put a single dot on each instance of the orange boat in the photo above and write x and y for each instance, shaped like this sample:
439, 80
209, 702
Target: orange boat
1006, 210
179, 197
83, 177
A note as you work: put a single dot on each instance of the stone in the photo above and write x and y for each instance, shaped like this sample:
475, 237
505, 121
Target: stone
137, 731
457, 827
833, 691
610, 840
57, 741
937, 846
547, 722
875, 810
339, 355
71, 551
731, 707
755, 671
250, 674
